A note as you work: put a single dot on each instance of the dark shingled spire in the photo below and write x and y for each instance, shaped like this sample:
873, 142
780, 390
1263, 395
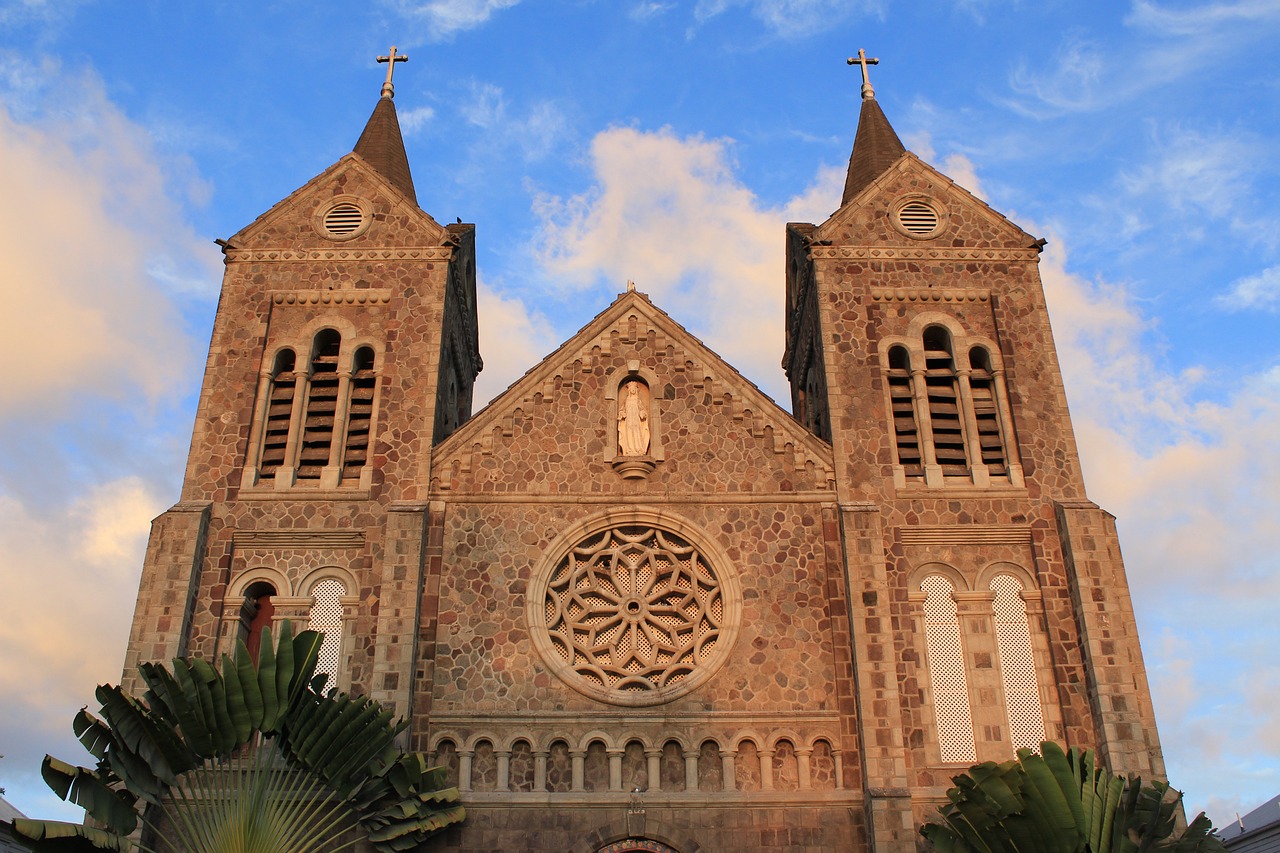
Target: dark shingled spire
382, 147
875, 149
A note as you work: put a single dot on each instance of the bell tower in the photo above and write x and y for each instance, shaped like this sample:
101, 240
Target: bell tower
344, 347
990, 606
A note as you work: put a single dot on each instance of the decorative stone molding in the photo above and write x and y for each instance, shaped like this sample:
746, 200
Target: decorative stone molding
930, 294
298, 538
630, 608
967, 534
406, 253
332, 297
909, 253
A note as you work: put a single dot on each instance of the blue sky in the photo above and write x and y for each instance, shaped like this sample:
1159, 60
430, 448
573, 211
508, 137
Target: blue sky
596, 142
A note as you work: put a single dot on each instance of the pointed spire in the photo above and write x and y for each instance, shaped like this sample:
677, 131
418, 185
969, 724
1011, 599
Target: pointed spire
381, 144
876, 147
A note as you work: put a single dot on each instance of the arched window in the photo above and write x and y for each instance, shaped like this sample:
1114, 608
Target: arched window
279, 414
986, 414
447, 757
1017, 663
255, 615
322, 404
635, 769
484, 767
902, 402
326, 617
673, 778
954, 718
945, 420
359, 413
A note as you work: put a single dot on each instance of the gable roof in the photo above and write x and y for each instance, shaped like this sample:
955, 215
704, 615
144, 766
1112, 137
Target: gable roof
748, 402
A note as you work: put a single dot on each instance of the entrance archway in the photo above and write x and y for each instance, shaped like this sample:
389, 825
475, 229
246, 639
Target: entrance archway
637, 845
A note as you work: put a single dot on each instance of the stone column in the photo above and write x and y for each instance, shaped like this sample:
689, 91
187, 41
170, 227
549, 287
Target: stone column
928, 453
254, 450
540, 771
396, 643
579, 760
691, 769
973, 446
766, 770
464, 769
615, 769
728, 772
331, 475
1007, 431
504, 770
655, 768
286, 473
802, 767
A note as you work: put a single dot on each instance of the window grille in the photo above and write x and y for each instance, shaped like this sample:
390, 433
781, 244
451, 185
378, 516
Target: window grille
1017, 663
944, 403
985, 413
326, 616
360, 412
954, 718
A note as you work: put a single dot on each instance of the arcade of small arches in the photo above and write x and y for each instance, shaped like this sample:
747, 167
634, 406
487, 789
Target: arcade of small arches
599, 763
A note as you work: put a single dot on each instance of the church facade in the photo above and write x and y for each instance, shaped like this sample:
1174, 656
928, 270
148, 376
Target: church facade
633, 604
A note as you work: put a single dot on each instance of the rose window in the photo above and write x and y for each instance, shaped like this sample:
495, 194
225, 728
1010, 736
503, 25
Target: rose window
632, 615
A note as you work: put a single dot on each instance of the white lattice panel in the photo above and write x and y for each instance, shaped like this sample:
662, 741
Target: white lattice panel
326, 616
1017, 663
947, 671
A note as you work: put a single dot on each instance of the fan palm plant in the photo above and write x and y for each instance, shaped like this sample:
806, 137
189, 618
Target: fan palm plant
1062, 802
252, 758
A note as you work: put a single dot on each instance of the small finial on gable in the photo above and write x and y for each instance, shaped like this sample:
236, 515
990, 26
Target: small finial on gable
631, 286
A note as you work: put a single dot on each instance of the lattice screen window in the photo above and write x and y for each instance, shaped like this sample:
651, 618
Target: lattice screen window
322, 404
360, 412
954, 718
944, 403
279, 417
906, 433
986, 413
1017, 663
326, 616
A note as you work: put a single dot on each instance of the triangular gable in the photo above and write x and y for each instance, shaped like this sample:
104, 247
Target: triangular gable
720, 386
910, 175
290, 222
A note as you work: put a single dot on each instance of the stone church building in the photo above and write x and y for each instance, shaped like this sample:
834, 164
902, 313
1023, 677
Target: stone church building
633, 603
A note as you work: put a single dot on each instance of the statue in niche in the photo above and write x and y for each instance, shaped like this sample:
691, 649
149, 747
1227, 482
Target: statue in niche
633, 419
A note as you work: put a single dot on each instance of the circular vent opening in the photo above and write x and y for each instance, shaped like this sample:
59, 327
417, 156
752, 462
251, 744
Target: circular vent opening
343, 219
917, 217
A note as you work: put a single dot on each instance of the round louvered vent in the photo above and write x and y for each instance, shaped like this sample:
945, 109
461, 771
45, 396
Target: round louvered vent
343, 218
918, 218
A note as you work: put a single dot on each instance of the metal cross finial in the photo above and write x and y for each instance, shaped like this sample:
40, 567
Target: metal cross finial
388, 91
868, 94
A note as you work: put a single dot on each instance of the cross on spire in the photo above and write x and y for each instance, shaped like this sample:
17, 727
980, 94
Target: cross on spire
868, 94
388, 91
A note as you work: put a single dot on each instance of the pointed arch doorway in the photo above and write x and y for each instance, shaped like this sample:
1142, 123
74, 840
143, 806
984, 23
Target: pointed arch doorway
637, 845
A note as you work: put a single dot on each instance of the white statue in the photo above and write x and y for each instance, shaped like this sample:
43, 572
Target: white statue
633, 420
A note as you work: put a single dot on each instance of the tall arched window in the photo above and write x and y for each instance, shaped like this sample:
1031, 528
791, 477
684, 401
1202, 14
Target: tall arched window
255, 615
322, 404
1017, 663
902, 402
946, 422
278, 420
986, 413
954, 719
326, 617
359, 413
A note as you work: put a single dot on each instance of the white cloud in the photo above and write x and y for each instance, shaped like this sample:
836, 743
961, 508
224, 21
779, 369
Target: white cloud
960, 169
536, 132
647, 10
89, 261
512, 339
1255, 291
1192, 171
415, 119
447, 17
791, 18
669, 214
1194, 20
